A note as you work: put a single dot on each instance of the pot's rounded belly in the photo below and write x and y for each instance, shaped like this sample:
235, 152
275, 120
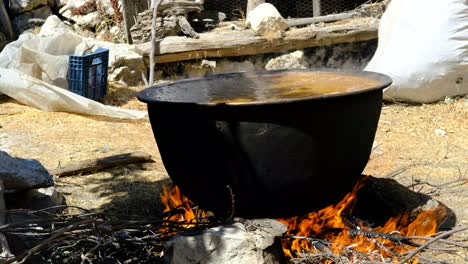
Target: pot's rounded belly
281, 165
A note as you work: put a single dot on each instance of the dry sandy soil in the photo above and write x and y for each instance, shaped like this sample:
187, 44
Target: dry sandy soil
421, 146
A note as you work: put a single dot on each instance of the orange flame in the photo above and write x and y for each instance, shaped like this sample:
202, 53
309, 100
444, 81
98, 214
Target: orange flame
175, 200
320, 225
328, 224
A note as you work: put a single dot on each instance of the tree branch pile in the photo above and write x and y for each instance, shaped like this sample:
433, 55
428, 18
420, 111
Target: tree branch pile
83, 236
90, 237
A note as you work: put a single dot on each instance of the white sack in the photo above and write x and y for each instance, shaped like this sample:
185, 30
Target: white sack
44, 58
423, 46
33, 92
33, 70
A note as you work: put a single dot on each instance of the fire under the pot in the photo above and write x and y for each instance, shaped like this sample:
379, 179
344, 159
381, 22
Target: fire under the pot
363, 226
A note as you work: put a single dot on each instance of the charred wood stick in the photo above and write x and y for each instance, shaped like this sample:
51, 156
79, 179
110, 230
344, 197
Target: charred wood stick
311, 239
374, 234
295, 22
431, 241
88, 166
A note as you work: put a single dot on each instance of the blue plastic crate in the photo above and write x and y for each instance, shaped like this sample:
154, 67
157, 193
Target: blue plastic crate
87, 74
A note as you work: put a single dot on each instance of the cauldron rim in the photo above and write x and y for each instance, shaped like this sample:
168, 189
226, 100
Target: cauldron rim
384, 81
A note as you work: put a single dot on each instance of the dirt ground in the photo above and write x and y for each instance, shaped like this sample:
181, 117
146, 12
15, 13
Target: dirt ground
421, 146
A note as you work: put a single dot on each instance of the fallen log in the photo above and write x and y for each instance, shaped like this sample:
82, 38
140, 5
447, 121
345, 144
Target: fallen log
88, 166
245, 42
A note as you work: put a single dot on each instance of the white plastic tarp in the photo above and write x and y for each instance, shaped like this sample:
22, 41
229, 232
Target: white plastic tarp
33, 71
423, 46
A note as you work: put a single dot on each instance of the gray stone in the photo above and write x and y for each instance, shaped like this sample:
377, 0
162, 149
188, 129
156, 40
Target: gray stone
31, 20
87, 21
52, 25
23, 174
265, 20
21, 6
126, 64
295, 60
127, 76
248, 242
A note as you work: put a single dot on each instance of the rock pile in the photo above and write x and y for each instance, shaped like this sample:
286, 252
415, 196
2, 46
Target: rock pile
29, 14
141, 31
172, 20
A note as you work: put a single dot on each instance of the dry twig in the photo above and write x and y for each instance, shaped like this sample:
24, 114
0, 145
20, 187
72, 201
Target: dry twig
431, 241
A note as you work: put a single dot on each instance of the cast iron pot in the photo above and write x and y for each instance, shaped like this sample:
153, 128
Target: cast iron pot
264, 158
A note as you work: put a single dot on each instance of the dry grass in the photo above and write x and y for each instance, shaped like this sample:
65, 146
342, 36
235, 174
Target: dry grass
56, 139
407, 138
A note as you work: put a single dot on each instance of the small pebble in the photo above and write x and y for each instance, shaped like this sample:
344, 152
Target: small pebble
440, 132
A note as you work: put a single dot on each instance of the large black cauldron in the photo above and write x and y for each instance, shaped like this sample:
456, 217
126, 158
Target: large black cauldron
280, 157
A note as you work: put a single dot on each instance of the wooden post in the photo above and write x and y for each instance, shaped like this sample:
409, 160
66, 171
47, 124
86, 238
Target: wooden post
155, 5
317, 7
252, 4
5, 22
126, 21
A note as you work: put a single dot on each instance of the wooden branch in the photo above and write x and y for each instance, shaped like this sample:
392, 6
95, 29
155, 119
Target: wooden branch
433, 240
88, 166
155, 6
126, 22
5, 22
242, 43
294, 22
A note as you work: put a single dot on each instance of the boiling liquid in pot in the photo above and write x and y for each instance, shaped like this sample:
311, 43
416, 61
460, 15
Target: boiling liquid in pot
296, 85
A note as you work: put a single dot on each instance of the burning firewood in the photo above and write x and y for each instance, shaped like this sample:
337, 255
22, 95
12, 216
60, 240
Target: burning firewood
330, 235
